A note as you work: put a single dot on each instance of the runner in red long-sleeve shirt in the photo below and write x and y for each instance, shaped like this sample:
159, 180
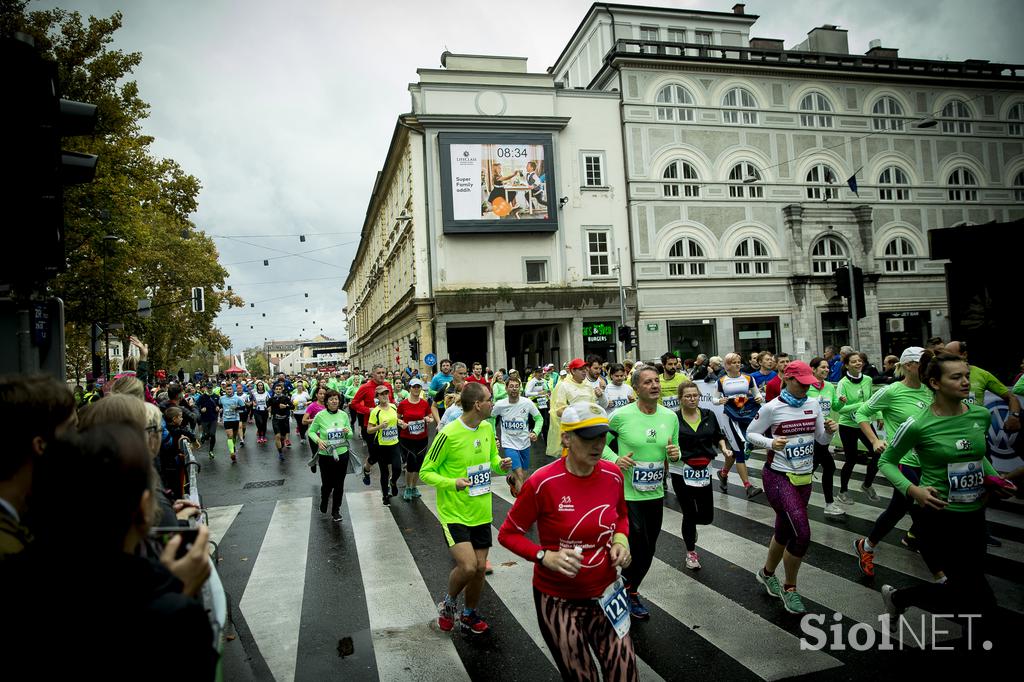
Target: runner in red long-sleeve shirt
773, 388
579, 506
362, 402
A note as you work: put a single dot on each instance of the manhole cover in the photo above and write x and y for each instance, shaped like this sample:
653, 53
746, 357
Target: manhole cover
263, 484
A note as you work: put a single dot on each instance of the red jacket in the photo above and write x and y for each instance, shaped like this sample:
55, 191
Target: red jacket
365, 398
773, 388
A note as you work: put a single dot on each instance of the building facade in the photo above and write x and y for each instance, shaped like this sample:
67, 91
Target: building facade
496, 225
738, 153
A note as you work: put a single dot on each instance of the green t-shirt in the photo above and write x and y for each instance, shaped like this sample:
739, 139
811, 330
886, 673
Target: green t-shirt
896, 402
334, 428
461, 452
499, 391
826, 396
670, 390
951, 449
981, 381
1018, 387
856, 393
350, 392
389, 417
646, 436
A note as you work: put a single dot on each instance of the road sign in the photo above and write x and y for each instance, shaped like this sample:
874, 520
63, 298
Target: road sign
652, 326
430, 359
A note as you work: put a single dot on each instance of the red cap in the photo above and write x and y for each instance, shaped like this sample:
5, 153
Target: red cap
801, 371
576, 363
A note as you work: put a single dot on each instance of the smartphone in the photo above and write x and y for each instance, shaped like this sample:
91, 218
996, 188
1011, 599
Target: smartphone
188, 537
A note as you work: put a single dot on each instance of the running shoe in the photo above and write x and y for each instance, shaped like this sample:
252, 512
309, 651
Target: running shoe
870, 492
792, 601
771, 583
446, 615
280, 457
323, 506
336, 516
211, 455
386, 499
407, 494
366, 477
833, 509
844, 498
487, 568
752, 491
416, 492
909, 541
637, 609
890, 606
394, 489
473, 624
723, 481
511, 480
312, 466
234, 460
866, 558
287, 443
241, 443
692, 561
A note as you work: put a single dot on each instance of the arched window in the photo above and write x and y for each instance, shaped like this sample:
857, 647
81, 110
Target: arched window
893, 185
963, 185
745, 171
1016, 118
739, 107
827, 256
900, 255
675, 103
1018, 186
688, 258
680, 174
956, 117
887, 114
821, 182
815, 111
751, 257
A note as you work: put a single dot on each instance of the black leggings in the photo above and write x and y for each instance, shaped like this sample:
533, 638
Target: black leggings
698, 506
302, 427
332, 479
389, 456
823, 458
644, 528
850, 436
261, 423
898, 507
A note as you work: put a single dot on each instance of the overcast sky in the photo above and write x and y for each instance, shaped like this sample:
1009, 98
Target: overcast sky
284, 110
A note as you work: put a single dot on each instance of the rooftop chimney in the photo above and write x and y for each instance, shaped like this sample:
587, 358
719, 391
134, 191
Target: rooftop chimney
738, 8
875, 49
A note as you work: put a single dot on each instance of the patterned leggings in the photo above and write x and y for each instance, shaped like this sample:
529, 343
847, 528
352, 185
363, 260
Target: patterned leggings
570, 626
792, 529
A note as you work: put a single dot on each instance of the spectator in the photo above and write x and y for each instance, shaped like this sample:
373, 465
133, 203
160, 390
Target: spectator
887, 375
935, 344
700, 367
715, 369
128, 385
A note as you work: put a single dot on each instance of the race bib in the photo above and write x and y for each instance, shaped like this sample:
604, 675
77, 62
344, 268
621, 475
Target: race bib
616, 607
799, 452
966, 481
648, 476
417, 427
479, 479
696, 478
671, 402
389, 433
335, 436
619, 402
542, 403
826, 406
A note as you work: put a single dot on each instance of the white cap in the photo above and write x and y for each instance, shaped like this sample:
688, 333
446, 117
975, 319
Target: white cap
912, 354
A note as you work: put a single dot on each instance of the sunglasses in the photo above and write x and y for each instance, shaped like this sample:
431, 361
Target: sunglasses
382, 392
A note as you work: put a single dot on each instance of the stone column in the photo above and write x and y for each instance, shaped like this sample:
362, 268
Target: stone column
575, 340
499, 358
440, 339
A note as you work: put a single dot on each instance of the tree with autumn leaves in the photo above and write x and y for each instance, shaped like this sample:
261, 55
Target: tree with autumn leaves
142, 200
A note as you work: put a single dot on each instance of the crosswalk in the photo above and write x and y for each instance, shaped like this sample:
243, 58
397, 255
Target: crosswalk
375, 578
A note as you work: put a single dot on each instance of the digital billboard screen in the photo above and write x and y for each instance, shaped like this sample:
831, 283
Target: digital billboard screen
495, 183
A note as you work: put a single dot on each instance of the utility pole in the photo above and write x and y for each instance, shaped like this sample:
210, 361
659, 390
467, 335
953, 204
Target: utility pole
854, 332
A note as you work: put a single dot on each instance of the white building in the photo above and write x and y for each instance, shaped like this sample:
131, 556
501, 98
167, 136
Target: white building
723, 264
495, 226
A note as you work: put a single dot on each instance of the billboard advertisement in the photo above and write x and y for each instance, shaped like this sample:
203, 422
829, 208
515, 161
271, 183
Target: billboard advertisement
496, 183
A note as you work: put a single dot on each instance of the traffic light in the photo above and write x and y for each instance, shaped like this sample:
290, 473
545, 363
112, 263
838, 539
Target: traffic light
624, 333
33, 197
842, 282
414, 348
627, 335
199, 301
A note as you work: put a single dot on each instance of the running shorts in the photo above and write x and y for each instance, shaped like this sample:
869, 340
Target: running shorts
233, 426
281, 425
520, 458
478, 536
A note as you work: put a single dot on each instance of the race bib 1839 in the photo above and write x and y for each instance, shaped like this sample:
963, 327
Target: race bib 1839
479, 479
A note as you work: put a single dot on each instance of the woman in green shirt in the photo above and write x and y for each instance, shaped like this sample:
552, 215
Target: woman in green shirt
331, 431
853, 389
949, 439
826, 396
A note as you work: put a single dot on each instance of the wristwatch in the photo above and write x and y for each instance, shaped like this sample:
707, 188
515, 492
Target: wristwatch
540, 555
1015, 414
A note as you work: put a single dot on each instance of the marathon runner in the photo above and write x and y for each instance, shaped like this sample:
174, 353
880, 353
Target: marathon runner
765, 370
280, 407
300, 398
741, 397
773, 387
643, 437
312, 410
594, 378
618, 393
515, 436
539, 391
983, 380
576, 590
260, 396
854, 388
437, 384
364, 400
896, 402
795, 423
331, 431
208, 406
572, 389
382, 424
230, 405
700, 440
414, 414
670, 379
459, 465
825, 394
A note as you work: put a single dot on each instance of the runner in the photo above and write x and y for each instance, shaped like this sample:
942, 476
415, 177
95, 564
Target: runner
795, 423
853, 390
331, 431
538, 390
594, 379
382, 424
575, 583
572, 389
741, 398
437, 383
244, 414
765, 370
825, 394
983, 380
414, 414
230, 405
670, 379
773, 387
477, 377
459, 465
949, 439
208, 406
300, 398
515, 436
618, 393
364, 400
643, 437
896, 403
314, 408
260, 396
280, 407
700, 440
